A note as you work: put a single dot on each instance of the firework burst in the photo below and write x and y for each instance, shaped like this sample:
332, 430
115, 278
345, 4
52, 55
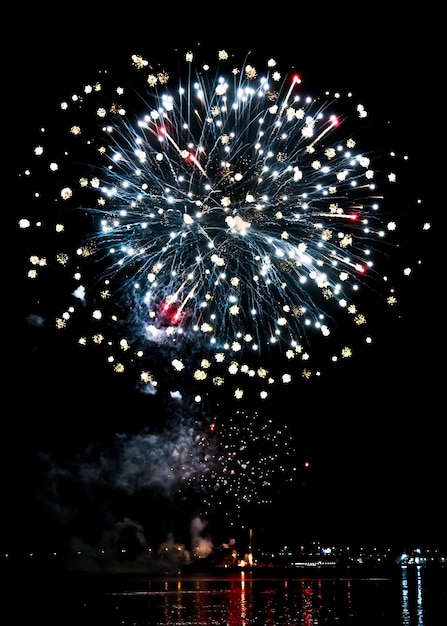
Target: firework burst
213, 224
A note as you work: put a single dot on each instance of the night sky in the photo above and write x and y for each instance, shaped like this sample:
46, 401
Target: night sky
371, 429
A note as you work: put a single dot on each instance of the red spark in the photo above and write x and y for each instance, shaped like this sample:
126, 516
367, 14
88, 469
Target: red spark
170, 314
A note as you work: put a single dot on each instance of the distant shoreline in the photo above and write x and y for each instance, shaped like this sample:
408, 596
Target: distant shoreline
90, 568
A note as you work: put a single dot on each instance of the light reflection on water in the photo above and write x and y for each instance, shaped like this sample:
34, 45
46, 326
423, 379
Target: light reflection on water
240, 599
409, 606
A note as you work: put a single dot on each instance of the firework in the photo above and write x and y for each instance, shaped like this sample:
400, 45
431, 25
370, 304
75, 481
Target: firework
213, 225
217, 467
255, 458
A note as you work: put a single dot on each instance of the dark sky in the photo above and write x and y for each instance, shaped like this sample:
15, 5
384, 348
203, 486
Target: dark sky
372, 430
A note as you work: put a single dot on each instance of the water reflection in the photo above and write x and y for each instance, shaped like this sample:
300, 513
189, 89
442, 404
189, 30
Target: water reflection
240, 604
407, 598
236, 600
242, 599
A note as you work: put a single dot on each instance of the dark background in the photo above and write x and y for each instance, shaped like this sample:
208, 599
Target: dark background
374, 429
